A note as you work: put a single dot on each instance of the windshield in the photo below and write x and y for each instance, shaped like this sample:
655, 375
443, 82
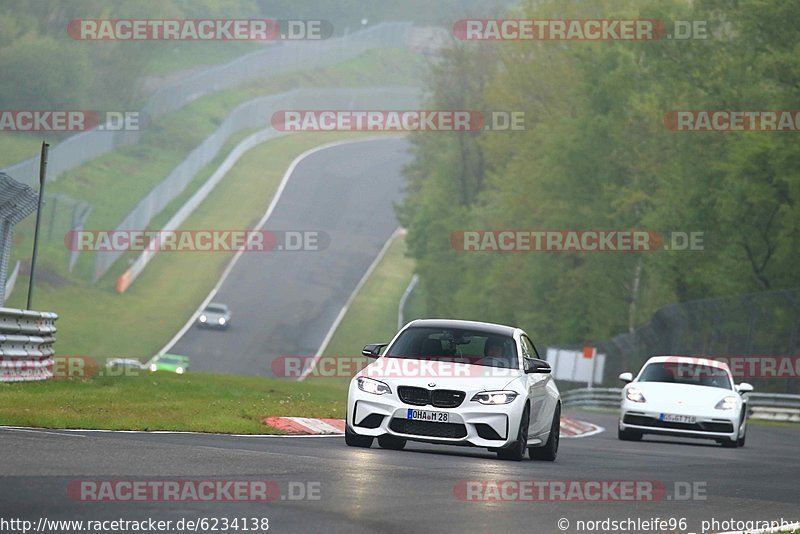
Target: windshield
686, 373
457, 345
215, 308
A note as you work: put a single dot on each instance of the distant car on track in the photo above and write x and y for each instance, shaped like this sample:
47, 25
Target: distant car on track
215, 315
173, 363
687, 397
490, 389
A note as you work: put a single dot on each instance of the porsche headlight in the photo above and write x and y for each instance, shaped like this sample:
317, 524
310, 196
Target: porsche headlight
203, 318
728, 403
634, 395
495, 397
376, 387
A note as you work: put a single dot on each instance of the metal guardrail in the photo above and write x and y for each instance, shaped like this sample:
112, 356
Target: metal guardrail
772, 406
26, 345
285, 57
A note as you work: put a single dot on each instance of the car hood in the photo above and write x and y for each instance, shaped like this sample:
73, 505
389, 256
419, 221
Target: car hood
681, 394
440, 375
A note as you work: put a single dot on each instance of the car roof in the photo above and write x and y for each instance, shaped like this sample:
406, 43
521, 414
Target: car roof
490, 328
702, 360
174, 356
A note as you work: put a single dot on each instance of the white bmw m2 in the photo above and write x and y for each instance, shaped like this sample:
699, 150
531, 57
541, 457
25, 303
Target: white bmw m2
456, 383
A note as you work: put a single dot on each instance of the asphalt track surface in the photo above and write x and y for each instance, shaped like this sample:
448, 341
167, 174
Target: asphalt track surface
284, 303
407, 491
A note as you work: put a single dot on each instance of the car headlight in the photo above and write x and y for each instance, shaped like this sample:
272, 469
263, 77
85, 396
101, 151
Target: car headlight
153, 367
634, 395
376, 387
203, 318
495, 397
179, 370
728, 403
221, 320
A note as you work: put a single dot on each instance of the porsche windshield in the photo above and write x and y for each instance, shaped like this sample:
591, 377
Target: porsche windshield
686, 373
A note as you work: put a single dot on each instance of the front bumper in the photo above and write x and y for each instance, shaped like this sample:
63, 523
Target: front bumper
716, 424
471, 423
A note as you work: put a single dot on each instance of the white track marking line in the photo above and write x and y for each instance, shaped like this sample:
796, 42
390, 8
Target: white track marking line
40, 431
64, 431
789, 527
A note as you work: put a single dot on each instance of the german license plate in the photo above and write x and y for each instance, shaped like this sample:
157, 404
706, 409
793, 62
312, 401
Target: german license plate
675, 418
427, 415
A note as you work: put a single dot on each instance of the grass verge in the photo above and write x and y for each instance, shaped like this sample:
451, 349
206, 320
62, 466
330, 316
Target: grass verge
194, 402
202, 402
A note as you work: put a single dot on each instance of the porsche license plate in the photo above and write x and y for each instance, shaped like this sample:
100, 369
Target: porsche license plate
675, 418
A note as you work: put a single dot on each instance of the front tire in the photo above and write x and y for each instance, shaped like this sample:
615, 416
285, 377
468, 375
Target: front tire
516, 452
628, 435
354, 440
549, 452
391, 442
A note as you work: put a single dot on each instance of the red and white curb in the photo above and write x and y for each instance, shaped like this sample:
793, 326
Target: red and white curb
306, 425
573, 428
570, 428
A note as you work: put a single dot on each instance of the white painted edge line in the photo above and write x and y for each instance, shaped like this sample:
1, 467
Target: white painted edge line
789, 527
274, 202
63, 431
68, 431
398, 231
596, 429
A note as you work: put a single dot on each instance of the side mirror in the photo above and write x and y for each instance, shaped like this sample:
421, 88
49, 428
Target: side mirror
744, 387
535, 365
373, 350
626, 377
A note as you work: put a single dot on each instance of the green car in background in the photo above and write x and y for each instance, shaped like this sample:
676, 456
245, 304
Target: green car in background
173, 363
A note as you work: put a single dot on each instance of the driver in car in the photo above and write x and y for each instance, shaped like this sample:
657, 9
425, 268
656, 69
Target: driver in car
494, 348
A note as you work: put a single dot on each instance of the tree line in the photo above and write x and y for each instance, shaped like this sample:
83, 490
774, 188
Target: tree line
599, 150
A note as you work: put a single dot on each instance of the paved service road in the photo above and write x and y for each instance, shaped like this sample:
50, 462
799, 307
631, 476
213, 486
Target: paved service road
407, 491
284, 303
